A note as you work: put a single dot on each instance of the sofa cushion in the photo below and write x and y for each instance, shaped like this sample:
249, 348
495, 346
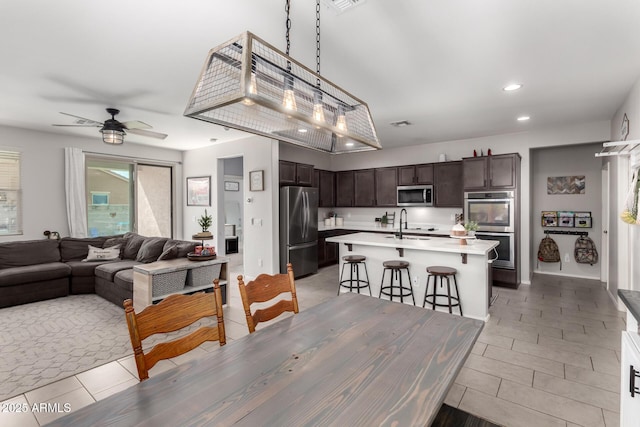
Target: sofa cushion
151, 249
184, 247
29, 252
34, 273
103, 254
170, 253
85, 268
124, 279
72, 248
114, 241
133, 241
108, 270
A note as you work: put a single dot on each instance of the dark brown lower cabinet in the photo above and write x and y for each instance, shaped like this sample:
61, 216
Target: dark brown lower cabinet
329, 253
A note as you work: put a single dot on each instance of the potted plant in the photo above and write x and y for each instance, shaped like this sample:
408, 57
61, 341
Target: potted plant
205, 222
384, 220
471, 227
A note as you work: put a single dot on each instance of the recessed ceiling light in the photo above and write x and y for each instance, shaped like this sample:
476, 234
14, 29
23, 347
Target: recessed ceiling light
302, 130
349, 144
523, 118
514, 86
401, 123
213, 139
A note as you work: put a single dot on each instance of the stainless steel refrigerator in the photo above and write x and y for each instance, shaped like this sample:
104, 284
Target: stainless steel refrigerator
299, 230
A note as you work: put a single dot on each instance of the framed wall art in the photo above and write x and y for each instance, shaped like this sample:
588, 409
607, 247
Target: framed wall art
231, 186
256, 180
199, 191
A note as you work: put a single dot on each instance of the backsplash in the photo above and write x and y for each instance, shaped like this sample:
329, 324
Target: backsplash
416, 216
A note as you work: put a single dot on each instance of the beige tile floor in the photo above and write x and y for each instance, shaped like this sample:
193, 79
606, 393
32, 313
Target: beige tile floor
549, 356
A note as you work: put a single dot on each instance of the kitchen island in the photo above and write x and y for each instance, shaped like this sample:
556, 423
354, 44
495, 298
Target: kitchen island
472, 262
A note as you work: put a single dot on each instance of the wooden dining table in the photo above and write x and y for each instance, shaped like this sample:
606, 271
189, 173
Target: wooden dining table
353, 360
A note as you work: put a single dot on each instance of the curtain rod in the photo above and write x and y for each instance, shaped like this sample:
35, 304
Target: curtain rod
116, 157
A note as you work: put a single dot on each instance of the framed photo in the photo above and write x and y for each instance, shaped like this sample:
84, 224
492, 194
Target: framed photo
199, 191
256, 180
231, 186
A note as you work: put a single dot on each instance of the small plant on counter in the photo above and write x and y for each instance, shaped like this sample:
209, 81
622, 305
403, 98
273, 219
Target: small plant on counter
471, 226
384, 220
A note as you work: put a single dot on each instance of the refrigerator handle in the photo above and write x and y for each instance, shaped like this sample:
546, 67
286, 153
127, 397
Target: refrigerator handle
305, 231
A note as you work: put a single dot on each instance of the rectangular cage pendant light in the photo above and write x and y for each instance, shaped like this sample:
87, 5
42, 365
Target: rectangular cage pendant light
247, 84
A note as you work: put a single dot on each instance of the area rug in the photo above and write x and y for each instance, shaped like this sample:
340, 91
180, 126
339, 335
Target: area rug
46, 341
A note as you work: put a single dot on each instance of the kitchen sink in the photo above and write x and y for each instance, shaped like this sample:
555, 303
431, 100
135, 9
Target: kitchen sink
408, 237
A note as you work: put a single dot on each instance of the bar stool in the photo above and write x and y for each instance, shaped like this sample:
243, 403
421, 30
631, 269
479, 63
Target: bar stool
396, 268
354, 262
442, 273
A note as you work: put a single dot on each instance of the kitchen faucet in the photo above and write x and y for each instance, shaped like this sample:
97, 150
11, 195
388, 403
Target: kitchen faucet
405, 221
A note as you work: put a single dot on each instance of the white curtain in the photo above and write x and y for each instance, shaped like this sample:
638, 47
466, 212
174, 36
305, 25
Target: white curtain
75, 191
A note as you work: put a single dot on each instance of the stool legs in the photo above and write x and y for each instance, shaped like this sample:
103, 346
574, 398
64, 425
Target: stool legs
354, 267
452, 301
396, 275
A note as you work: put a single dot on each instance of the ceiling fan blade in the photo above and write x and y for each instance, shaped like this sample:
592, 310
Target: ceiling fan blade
148, 133
136, 124
97, 125
83, 120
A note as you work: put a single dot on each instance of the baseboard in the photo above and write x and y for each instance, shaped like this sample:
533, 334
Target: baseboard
553, 273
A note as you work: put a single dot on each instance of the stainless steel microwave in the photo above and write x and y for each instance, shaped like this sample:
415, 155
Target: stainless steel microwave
415, 195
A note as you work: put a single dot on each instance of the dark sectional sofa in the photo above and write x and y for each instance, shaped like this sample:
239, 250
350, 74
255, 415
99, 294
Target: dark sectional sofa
36, 270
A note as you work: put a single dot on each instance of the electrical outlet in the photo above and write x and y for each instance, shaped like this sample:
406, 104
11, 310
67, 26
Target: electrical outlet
567, 258
259, 262
415, 280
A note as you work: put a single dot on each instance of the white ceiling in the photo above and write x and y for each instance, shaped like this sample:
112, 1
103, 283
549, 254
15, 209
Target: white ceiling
441, 64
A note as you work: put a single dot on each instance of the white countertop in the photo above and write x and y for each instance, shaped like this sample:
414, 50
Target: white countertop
438, 244
439, 230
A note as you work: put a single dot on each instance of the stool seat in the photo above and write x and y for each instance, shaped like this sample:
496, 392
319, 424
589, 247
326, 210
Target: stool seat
395, 264
354, 283
443, 273
395, 288
439, 270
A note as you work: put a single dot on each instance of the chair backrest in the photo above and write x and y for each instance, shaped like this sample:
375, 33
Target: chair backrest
265, 288
172, 314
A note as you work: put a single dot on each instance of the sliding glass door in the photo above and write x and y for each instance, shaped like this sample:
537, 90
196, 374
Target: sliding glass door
126, 196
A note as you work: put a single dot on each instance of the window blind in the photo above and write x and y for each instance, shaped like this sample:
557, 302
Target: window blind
10, 194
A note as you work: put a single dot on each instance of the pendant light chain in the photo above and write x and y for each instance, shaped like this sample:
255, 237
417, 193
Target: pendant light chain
318, 41
287, 7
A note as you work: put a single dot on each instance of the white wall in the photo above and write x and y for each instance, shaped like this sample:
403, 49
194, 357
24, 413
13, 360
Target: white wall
567, 161
625, 237
42, 175
260, 214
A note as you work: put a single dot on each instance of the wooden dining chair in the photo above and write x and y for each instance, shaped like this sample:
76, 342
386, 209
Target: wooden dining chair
265, 288
172, 314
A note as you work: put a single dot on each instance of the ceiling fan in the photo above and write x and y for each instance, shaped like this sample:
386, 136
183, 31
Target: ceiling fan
112, 130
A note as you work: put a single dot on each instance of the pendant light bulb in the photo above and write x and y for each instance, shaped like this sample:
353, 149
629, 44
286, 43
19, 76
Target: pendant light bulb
341, 121
318, 110
289, 98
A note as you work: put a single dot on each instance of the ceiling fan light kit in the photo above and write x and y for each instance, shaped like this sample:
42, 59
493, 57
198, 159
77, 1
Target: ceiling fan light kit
249, 85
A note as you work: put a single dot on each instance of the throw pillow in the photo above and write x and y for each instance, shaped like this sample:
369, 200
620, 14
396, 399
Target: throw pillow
151, 249
170, 253
103, 254
132, 245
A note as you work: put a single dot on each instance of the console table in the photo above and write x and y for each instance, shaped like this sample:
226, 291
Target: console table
144, 276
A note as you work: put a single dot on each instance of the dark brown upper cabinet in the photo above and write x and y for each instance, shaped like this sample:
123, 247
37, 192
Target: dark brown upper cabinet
447, 184
415, 174
364, 187
386, 180
292, 173
491, 172
325, 182
344, 189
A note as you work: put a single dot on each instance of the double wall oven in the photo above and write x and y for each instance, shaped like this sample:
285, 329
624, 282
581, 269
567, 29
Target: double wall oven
495, 214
